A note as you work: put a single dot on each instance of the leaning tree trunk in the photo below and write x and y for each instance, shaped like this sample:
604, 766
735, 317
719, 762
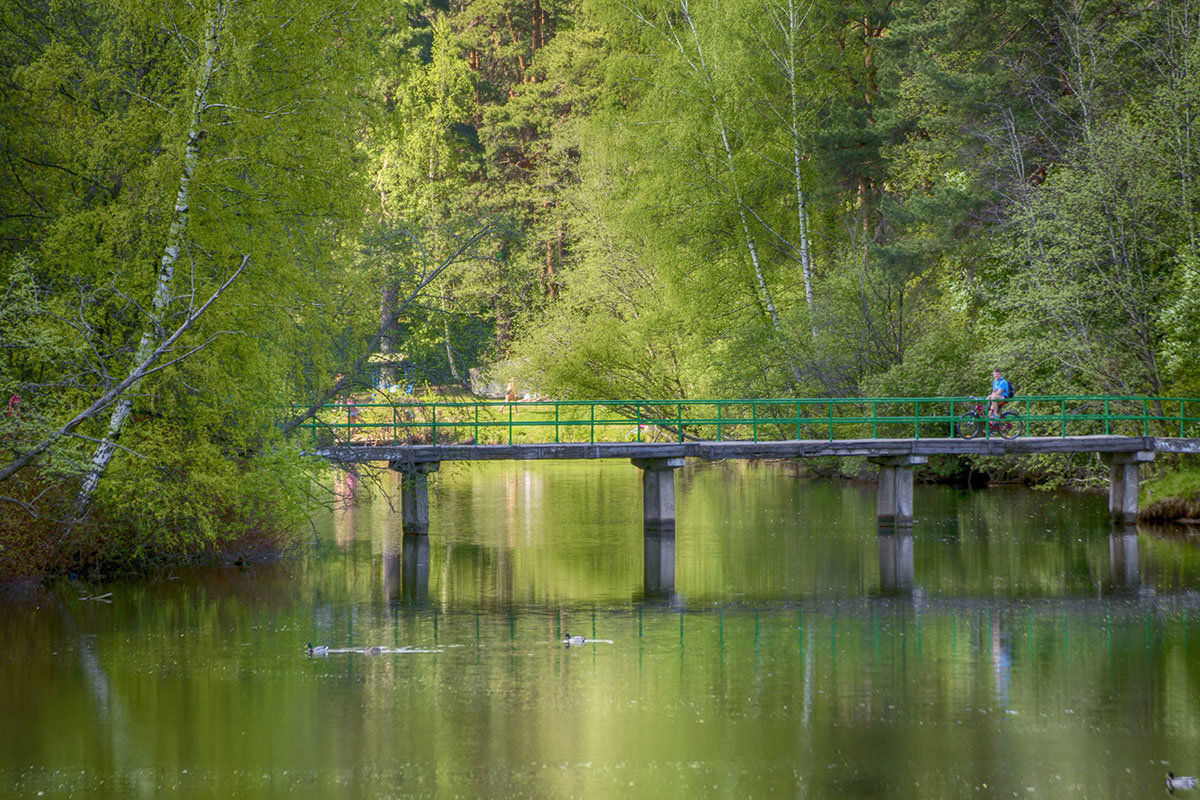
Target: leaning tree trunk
166, 270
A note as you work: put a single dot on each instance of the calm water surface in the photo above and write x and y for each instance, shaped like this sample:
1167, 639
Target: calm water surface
1014, 646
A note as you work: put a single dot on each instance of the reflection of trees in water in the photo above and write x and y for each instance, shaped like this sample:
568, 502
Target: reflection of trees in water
345, 505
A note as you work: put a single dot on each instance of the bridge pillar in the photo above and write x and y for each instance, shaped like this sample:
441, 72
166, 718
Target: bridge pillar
1123, 479
894, 495
658, 491
414, 494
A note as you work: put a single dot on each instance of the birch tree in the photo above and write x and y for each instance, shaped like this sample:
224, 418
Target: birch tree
189, 252
205, 73
694, 49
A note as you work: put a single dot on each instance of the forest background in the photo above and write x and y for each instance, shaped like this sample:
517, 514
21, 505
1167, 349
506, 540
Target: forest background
213, 210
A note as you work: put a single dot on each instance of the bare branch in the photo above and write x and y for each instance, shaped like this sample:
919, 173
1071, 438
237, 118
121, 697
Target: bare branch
143, 369
385, 328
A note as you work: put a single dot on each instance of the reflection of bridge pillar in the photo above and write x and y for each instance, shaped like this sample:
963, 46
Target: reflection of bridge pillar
894, 496
414, 493
1123, 484
1124, 568
658, 491
416, 567
392, 564
896, 573
659, 564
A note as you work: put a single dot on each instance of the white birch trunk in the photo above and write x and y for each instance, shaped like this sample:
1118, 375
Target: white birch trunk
449, 349
759, 276
166, 271
700, 67
801, 203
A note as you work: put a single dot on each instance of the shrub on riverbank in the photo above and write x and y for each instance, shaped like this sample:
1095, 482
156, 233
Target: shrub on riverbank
183, 506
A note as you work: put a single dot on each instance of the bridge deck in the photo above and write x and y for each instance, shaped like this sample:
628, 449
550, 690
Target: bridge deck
794, 448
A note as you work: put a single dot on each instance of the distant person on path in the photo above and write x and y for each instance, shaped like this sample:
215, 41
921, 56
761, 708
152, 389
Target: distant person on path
351, 416
510, 393
1001, 391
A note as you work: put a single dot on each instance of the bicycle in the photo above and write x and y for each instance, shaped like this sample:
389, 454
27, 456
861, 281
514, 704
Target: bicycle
1008, 425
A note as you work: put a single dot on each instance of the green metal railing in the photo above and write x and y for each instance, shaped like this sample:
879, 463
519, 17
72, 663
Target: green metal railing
502, 422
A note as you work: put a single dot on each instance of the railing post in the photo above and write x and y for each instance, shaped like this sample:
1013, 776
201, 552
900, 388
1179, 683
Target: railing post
874, 419
433, 417
754, 418
797, 421
639, 422
1145, 417
720, 421
592, 434
510, 421
831, 420
1182, 406
917, 418
556, 407
1063, 435
1107, 420
679, 420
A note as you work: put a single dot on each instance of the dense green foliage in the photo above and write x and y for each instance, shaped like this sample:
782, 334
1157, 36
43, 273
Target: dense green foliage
114, 169
613, 198
759, 197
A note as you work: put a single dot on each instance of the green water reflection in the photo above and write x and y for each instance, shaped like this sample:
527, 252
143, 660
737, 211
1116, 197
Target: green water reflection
1014, 645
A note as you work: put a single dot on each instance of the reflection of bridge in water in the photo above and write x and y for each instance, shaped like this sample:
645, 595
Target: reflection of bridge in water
896, 459
406, 567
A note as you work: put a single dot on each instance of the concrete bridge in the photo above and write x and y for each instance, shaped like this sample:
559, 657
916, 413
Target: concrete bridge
658, 461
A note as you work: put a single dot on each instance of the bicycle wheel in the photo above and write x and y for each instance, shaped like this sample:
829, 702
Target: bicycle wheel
969, 426
1010, 425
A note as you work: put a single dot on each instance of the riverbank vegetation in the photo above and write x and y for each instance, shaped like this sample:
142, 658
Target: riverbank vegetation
212, 211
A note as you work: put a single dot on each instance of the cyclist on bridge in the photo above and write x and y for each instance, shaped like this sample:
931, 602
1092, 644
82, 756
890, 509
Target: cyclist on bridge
1001, 391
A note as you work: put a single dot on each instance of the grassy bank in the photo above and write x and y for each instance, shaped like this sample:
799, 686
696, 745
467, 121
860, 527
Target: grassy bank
1171, 497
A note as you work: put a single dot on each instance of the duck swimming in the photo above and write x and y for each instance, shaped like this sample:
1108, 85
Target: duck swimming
1182, 782
319, 650
569, 640
372, 651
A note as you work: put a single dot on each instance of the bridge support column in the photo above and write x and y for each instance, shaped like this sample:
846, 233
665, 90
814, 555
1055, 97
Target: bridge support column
414, 494
658, 491
1123, 479
894, 496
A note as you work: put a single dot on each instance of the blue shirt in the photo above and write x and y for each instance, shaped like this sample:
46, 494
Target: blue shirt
1000, 385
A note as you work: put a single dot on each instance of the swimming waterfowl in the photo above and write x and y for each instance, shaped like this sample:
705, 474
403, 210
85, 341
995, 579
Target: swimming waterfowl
372, 651
319, 650
569, 640
1182, 782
